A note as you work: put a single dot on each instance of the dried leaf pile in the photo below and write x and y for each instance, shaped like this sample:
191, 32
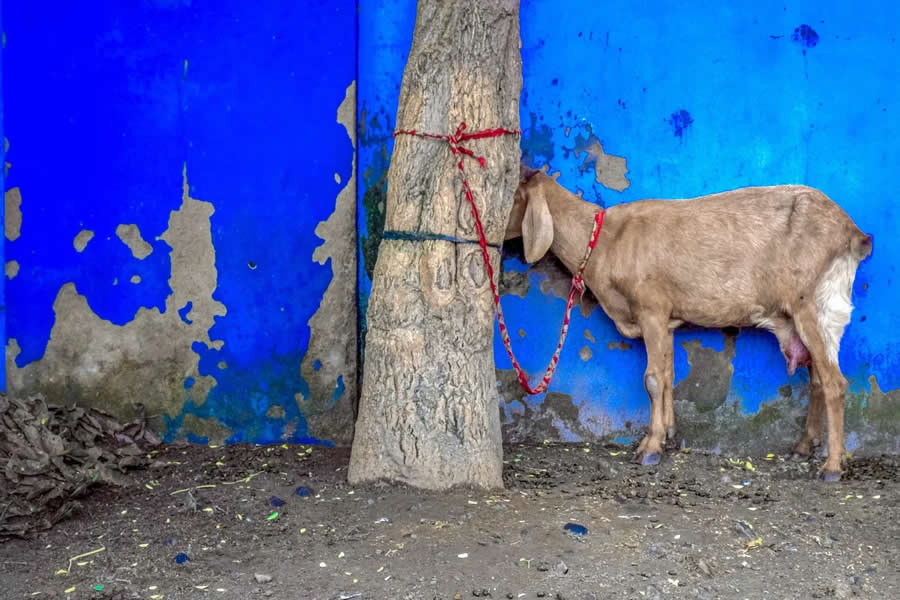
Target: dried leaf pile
51, 455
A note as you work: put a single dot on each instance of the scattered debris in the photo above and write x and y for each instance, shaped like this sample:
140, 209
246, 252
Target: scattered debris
83, 555
53, 454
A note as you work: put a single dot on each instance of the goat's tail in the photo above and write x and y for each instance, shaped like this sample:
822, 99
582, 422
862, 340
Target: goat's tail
833, 292
861, 245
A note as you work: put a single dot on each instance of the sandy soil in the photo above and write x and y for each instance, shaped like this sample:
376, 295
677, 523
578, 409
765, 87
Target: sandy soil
227, 522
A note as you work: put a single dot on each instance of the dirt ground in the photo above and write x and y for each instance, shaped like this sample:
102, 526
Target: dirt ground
202, 523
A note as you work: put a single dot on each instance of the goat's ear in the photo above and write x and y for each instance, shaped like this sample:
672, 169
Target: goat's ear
537, 225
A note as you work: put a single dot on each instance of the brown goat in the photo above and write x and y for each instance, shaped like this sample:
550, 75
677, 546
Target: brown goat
782, 258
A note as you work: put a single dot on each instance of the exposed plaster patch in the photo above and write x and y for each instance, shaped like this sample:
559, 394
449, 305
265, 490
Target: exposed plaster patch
622, 345
709, 380
13, 217
12, 269
135, 279
514, 282
608, 169
331, 343
521, 333
276, 411
81, 240
585, 353
589, 336
131, 237
142, 365
882, 409
208, 428
337, 178
556, 418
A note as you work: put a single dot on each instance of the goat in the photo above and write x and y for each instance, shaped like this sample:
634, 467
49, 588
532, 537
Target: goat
782, 258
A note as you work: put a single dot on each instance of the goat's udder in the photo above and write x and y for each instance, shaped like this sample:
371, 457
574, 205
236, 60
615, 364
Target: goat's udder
796, 354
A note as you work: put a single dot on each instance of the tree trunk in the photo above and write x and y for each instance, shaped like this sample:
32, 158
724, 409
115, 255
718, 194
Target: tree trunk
428, 413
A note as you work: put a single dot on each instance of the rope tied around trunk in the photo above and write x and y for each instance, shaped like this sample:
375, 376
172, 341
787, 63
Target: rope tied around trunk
454, 142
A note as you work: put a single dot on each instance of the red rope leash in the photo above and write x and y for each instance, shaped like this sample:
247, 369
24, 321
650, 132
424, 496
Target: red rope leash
577, 279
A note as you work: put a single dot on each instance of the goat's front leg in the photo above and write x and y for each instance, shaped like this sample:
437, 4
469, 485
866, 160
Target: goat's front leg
668, 389
658, 340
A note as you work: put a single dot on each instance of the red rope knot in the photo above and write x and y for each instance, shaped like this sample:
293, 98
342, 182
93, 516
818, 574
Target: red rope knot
456, 139
578, 284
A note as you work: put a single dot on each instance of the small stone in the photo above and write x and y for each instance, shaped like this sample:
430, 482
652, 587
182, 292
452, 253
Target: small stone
561, 568
262, 578
541, 594
701, 564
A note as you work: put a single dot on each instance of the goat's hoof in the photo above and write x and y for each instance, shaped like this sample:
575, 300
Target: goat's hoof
650, 459
830, 476
799, 456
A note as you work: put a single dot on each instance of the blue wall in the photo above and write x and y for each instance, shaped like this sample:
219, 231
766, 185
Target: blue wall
697, 98
105, 103
107, 108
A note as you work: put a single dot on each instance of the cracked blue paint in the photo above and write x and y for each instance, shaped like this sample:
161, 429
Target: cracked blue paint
757, 115
106, 102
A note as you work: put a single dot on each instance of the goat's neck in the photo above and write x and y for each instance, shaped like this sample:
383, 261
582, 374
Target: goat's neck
573, 222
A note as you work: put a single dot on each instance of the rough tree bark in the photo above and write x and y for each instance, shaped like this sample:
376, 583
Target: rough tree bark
428, 412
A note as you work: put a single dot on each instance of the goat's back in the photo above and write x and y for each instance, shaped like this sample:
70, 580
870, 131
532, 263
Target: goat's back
720, 259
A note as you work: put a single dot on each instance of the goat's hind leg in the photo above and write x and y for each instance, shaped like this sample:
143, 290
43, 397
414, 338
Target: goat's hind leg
833, 385
815, 418
657, 338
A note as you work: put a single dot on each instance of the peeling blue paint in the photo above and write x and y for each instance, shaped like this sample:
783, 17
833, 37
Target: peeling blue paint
757, 112
53, 83
697, 99
106, 102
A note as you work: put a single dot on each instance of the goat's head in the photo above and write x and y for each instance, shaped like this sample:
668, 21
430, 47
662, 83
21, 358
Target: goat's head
530, 217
